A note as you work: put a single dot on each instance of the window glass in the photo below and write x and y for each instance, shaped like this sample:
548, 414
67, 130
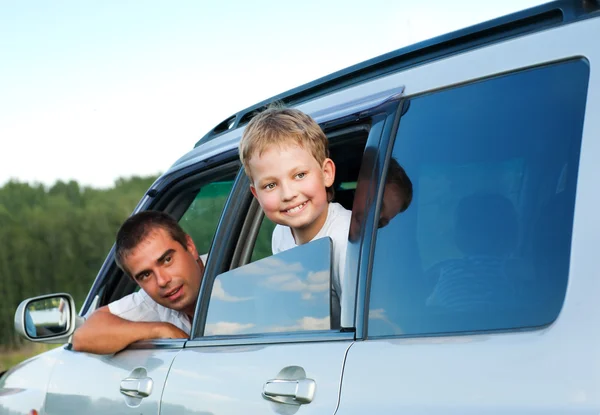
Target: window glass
201, 218
262, 247
285, 292
485, 242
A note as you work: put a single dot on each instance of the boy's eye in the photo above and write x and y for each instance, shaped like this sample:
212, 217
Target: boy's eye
269, 186
301, 175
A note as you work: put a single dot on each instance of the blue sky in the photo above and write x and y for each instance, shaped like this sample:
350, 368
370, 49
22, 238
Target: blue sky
95, 90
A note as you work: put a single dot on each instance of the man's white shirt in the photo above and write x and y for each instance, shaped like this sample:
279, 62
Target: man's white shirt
138, 306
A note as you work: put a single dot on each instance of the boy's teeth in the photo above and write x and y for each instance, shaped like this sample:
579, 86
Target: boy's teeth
296, 209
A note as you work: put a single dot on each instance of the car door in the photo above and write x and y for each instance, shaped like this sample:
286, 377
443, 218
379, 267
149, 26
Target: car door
268, 345
132, 381
475, 297
264, 340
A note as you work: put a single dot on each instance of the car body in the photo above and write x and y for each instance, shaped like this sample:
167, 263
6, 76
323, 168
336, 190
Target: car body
480, 298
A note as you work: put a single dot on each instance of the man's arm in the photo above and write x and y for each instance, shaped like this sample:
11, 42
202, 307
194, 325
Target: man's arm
106, 333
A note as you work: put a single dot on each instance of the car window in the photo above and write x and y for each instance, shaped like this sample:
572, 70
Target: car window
485, 242
262, 246
281, 293
202, 216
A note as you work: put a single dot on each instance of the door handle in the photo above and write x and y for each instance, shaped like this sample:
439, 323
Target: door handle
136, 387
293, 392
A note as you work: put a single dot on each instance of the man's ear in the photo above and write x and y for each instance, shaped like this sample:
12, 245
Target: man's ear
253, 190
191, 246
328, 172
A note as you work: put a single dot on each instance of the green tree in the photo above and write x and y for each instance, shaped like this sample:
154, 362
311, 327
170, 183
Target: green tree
55, 239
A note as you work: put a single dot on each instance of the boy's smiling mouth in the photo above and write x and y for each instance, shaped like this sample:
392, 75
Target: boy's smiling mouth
296, 209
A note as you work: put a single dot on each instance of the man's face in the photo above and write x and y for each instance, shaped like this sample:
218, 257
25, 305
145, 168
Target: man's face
166, 271
290, 185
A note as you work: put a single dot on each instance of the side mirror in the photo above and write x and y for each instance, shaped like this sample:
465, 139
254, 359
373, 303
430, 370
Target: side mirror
47, 318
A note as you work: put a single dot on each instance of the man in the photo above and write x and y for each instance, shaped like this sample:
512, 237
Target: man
154, 251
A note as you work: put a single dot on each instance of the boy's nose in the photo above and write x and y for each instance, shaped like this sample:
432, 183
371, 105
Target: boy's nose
288, 192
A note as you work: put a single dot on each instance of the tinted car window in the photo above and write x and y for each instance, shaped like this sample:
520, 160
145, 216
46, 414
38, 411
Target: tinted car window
201, 218
485, 243
262, 247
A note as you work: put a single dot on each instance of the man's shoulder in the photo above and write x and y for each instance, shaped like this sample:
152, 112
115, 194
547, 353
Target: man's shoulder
136, 300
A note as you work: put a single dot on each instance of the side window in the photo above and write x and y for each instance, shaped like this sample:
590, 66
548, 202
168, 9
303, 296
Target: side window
202, 216
485, 243
262, 247
282, 293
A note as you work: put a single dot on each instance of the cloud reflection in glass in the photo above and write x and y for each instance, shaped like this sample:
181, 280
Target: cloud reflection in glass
286, 292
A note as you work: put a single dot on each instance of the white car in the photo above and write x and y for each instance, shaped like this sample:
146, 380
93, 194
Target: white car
479, 298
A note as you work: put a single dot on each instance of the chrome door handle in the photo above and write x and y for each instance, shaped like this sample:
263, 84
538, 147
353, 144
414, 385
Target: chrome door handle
136, 387
293, 392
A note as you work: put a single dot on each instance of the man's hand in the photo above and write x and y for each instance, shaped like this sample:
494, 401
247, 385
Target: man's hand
105, 333
168, 331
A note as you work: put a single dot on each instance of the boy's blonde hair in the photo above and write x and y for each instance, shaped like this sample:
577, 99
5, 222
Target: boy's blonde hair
277, 126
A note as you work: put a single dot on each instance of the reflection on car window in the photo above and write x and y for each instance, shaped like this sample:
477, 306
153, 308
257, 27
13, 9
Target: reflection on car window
485, 243
282, 293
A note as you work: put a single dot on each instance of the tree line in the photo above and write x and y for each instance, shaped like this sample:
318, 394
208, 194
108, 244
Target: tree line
54, 239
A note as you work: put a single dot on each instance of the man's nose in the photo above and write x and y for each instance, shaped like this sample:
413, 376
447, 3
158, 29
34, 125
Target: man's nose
163, 278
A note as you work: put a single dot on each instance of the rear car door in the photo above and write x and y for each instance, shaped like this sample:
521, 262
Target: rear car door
481, 296
264, 341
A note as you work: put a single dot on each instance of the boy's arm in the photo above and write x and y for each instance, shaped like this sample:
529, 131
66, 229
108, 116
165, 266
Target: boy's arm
106, 333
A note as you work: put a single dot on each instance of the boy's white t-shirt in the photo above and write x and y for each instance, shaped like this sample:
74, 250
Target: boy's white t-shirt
337, 227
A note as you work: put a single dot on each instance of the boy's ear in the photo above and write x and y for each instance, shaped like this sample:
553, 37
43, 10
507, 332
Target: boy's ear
253, 190
328, 172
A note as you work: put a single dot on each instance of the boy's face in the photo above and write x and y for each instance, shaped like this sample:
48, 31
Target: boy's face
290, 185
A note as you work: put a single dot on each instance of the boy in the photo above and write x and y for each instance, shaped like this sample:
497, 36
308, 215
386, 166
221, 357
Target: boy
286, 157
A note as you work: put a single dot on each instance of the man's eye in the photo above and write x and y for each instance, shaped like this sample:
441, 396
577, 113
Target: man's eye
143, 276
168, 259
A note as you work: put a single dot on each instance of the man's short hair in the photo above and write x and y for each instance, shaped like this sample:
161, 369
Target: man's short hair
137, 228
